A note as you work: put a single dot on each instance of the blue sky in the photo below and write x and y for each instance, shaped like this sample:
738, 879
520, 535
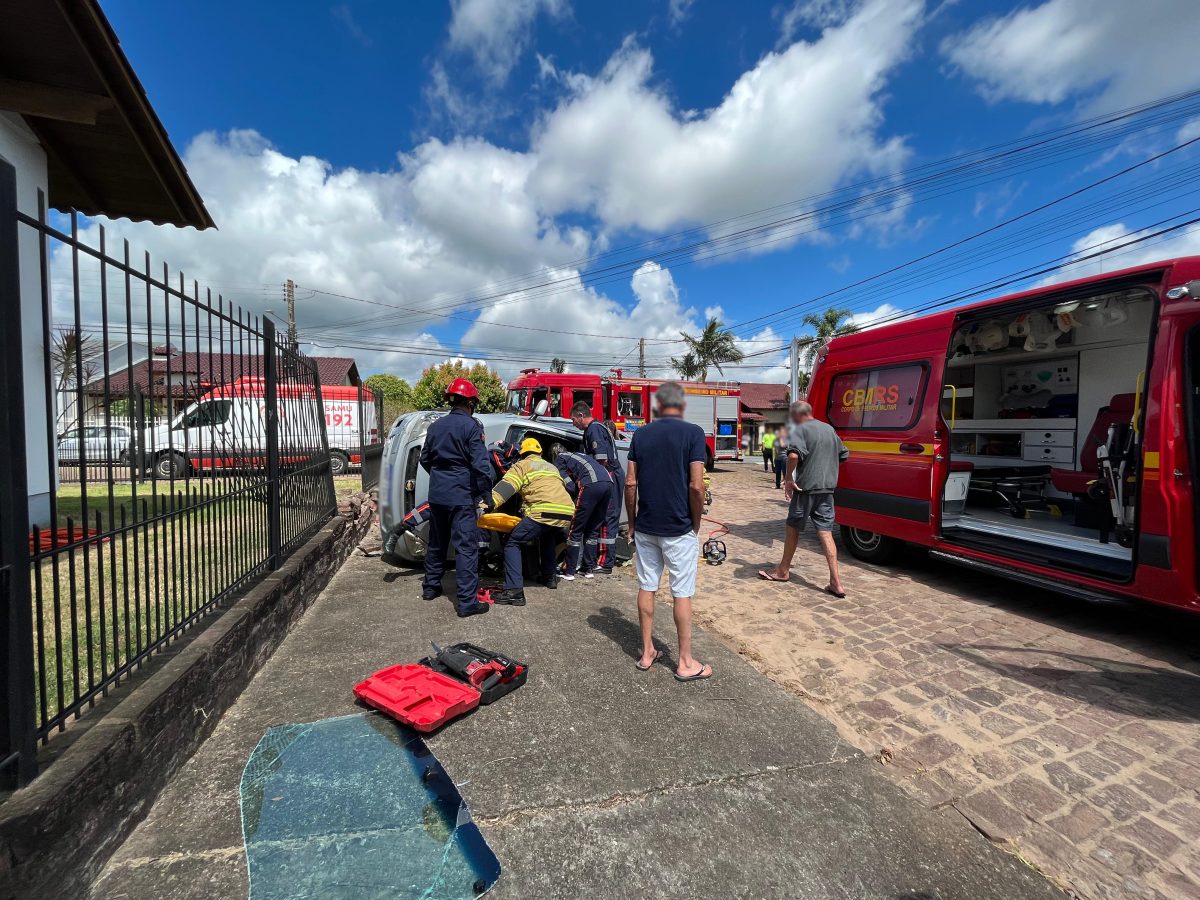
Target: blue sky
453, 179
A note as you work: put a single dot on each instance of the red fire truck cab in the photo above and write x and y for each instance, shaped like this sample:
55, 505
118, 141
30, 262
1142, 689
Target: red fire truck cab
1050, 436
714, 406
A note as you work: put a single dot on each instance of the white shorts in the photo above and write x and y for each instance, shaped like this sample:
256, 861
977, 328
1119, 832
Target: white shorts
680, 556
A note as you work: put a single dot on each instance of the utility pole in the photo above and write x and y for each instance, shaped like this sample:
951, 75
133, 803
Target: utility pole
289, 291
641, 357
794, 386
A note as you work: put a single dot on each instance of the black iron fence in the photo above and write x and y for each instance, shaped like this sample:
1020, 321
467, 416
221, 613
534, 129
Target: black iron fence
171, 449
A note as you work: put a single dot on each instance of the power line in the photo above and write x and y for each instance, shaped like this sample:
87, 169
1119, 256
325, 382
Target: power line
1038, 149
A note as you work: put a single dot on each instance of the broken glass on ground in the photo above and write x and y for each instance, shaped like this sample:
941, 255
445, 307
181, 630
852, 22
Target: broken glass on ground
357, 808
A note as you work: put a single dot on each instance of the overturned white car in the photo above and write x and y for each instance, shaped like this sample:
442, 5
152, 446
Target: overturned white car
404, 485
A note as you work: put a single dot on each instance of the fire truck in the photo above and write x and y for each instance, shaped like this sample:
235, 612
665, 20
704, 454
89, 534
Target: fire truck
629, 402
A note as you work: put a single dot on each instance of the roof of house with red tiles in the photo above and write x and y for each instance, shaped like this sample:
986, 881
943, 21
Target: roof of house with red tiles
756, 396
191, 373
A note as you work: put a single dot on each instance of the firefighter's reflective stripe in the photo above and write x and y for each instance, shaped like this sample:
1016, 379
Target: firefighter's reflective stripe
505, 491
541, 488
582, 469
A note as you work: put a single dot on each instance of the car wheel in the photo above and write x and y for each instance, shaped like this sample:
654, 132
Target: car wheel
869, 546
339, 463
171, 465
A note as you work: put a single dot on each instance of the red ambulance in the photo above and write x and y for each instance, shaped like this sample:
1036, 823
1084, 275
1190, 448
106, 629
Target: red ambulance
1050, 436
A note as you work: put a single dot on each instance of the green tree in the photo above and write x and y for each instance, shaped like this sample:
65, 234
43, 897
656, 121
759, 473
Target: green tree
430, 390
714, 347
119, 408
397, 395
558, 366
686, 367
826, 326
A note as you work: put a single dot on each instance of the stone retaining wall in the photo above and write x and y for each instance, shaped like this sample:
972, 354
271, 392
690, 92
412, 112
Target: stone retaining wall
57, 833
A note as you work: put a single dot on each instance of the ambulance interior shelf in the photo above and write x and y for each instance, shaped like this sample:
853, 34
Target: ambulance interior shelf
1022, 393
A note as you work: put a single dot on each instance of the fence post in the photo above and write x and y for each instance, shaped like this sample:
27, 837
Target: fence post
18, 739
271, 379
362, 428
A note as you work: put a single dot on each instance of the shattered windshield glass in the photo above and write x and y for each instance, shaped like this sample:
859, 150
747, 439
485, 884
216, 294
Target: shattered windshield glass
357, 807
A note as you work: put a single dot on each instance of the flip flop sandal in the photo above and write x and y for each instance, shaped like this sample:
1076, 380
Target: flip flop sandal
841, 595
771, 576
699, 676
641, 668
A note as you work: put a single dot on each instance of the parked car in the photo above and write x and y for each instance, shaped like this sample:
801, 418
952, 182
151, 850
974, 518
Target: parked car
101, 444
404, 485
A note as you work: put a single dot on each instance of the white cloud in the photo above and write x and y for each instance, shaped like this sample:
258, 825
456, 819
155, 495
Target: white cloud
1185, 242
679, 10
497, 32
453, 217
875, 316
458, 215
819, 14
1189, 131
657, 315
344, 15
796, 124
1117, 53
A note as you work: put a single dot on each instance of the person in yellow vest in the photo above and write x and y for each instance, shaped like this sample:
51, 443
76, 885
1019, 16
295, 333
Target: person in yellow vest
546, 509
768, 450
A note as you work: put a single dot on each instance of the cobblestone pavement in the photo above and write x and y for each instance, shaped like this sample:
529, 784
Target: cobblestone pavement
1068, 732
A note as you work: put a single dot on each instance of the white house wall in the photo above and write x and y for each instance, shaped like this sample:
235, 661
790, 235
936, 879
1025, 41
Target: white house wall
20, 148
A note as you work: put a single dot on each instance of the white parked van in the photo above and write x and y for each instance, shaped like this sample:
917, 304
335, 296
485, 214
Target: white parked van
226, 429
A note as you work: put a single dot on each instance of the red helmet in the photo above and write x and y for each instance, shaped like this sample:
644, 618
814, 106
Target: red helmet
461, 387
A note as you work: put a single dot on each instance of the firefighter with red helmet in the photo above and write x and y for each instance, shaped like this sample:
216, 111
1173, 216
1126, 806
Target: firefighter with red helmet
460, 479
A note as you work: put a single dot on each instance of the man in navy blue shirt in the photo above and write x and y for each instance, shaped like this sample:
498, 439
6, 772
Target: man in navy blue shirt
460, 478
592, 486
664, 494
598, 443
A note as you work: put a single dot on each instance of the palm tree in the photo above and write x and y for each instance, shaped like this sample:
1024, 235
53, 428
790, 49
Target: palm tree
826, 327
558, 366
688, 368
715, 346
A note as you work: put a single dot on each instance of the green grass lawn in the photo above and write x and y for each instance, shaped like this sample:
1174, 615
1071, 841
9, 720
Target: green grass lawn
164, 561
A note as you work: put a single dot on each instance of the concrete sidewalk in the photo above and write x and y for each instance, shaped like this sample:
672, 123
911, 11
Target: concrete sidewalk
592, 780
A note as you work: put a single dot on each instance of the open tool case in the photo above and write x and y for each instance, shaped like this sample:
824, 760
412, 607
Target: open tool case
506, 685
427, 695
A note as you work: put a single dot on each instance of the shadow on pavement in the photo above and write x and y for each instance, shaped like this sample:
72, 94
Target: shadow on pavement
397, 574
1122, 687
747, 570
627, 635
1167, 634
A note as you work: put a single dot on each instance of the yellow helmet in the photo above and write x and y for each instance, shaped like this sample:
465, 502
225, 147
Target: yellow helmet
530, 445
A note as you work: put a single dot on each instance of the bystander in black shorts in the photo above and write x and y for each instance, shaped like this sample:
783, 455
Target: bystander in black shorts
818, 507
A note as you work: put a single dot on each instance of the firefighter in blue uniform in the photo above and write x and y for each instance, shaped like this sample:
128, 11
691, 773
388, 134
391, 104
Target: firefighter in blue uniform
592, 486
460, 479
598, 443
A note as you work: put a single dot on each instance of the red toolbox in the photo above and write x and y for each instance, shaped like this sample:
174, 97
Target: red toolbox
417, 696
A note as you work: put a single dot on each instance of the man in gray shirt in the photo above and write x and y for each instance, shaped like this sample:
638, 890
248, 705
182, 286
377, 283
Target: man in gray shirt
814, 453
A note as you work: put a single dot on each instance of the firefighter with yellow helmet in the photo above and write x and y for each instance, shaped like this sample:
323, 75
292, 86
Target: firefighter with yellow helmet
546, 509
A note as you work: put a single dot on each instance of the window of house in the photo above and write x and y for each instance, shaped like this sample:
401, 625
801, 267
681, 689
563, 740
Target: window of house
884, 398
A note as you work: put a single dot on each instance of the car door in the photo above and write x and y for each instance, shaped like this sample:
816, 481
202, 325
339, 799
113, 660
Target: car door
879, 410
